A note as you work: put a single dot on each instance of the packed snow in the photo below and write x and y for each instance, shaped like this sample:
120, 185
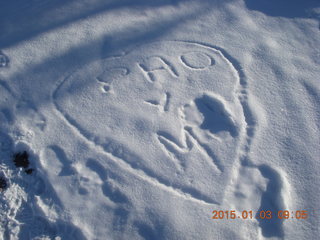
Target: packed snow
161, 119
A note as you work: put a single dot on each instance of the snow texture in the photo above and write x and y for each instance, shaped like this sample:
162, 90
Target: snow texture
138, 119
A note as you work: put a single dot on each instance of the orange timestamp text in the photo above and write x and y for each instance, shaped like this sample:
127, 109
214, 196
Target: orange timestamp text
262, 214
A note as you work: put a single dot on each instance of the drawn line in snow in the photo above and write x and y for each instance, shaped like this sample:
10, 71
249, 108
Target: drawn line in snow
167, 102
176, 151
173, 151
205, 150
149, 175
153, 102
271, 198
161, 65
5, 85
187, 193
111, 74
197, 60
242, 92
162, 104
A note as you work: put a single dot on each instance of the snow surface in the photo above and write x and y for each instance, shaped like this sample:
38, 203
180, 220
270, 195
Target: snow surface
140, 118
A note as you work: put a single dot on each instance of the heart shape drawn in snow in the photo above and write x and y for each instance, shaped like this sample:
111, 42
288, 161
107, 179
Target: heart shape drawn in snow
168, 111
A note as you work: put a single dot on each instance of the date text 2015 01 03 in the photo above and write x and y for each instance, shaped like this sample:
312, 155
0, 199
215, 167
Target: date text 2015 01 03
262, 214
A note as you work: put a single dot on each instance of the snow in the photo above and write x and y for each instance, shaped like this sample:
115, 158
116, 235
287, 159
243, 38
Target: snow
141, 118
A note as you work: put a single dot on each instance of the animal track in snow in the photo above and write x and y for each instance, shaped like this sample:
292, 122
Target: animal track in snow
67, 168
29, 116
260, 188
108, 188
23, 202
163, 76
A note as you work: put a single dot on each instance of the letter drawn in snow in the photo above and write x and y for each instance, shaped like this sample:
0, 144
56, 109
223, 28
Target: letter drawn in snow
174, 116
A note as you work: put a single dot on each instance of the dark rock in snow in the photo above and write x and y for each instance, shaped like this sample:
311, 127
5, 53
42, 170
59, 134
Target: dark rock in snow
21, 159
3, 184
